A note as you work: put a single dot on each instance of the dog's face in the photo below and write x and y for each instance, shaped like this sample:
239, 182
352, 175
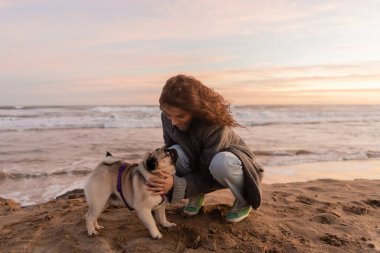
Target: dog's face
161, 159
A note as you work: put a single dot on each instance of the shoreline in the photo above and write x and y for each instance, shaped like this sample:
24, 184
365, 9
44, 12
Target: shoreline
324, 215
63, 182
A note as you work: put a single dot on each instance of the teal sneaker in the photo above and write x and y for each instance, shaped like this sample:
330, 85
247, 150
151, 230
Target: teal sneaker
238, 212
194, 205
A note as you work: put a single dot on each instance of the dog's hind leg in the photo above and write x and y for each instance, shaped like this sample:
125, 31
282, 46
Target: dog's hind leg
146, 217
97, 201
94, 211
97, 226
161, 217
90, 223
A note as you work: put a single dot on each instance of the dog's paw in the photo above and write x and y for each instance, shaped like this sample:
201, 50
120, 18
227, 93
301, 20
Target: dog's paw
169, 225
99, 227
157, 236
92, 234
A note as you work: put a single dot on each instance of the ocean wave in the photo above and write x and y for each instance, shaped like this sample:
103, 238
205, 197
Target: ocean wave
115, 122
263, 115
61, 117
20, 107
369, 154
373, 154
10, 107
108, 109
288, 157
269, 157
35, 175
284, 153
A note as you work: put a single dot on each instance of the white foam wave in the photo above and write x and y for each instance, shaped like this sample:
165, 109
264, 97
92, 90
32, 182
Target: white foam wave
108, 109
250, 115
28, 118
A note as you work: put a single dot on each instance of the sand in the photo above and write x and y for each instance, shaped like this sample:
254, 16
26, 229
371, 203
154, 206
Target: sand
323, 215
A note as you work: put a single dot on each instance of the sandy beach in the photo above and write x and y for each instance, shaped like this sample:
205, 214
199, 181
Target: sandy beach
320, 185
323, 215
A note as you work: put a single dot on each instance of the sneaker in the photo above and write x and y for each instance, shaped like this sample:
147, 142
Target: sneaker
194, 205
238, 212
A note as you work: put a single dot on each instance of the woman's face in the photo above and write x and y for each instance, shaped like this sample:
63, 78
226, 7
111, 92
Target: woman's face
179, 118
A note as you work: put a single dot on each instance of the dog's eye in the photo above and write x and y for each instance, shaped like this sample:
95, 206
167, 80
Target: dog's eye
151, 163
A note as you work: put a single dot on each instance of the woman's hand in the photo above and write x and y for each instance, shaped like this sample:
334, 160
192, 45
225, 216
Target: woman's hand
160, 184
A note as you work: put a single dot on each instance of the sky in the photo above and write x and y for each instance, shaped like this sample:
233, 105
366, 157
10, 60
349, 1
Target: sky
252, 52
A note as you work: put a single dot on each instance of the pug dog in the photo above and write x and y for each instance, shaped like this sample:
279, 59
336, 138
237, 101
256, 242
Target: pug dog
127, 182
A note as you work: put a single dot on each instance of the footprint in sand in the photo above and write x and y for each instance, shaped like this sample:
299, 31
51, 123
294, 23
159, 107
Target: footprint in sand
375, 203
325, 218
279, 196
333, 240
355, 209
306, 200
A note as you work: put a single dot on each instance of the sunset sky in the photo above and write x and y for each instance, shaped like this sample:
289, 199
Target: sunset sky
252, 52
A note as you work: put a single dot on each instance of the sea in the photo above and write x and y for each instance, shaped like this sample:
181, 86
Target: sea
46, 151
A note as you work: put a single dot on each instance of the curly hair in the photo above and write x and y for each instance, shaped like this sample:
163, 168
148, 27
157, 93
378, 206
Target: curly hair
202, 102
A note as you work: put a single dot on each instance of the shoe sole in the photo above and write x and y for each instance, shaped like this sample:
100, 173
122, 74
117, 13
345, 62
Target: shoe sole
189, 214
236, 220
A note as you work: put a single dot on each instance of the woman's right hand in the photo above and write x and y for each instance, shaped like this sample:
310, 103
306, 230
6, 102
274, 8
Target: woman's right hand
161, 184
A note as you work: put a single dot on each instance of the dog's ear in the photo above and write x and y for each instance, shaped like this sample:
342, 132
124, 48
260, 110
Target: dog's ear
146, 156
108, 154
151, 163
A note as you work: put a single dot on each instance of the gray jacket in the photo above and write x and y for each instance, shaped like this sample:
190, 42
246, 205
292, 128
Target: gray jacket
201, 141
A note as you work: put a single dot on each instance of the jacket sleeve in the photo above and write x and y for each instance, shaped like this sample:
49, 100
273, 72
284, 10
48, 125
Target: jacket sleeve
201, 181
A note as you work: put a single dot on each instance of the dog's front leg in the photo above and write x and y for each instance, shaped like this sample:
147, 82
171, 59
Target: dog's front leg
161, 217
146, 217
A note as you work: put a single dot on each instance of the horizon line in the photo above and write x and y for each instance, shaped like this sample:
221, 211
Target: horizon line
154, 105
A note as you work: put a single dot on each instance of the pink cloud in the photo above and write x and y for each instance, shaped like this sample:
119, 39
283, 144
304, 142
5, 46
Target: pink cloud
254, 86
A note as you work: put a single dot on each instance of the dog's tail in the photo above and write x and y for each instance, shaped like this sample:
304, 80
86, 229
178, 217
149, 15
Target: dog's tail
109, 159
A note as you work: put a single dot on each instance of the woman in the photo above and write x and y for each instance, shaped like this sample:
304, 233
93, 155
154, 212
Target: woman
197, 122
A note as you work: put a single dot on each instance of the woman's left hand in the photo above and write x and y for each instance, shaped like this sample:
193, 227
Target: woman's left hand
160, 184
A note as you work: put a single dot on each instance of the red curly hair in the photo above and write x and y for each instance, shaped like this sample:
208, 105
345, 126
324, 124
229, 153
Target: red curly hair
202, 102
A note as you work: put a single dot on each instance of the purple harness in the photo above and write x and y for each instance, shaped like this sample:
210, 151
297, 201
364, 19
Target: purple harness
122, 168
